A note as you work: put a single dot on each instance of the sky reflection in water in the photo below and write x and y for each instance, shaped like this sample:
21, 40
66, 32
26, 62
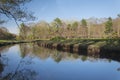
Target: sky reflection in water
31, 62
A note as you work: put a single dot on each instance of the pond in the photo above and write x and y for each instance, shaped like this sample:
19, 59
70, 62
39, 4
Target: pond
31, 62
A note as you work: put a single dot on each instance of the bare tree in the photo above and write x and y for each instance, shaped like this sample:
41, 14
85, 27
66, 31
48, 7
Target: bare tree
14, 9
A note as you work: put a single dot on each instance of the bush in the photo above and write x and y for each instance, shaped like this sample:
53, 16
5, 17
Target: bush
58, 38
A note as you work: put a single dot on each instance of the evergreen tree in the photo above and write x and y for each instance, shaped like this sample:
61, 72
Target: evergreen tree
109, 26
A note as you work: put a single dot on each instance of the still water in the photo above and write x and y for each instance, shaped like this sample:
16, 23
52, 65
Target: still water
31, 62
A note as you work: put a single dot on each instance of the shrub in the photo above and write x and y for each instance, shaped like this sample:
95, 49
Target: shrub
58, 38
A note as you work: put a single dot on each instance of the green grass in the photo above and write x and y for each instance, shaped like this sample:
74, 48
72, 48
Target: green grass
3, 40
8, 42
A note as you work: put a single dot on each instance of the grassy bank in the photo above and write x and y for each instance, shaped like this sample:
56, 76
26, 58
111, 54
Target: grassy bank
91, 46
8, 42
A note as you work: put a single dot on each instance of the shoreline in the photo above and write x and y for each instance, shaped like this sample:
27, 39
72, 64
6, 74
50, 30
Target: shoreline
8, 42
96, 49
92, 46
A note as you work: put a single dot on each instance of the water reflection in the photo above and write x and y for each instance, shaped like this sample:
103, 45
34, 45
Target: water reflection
15, 69
31, 62
45, 53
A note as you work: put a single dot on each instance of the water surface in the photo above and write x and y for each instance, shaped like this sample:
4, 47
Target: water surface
31, 62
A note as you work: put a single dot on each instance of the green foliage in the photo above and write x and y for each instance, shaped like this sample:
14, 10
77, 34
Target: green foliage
109, 26
22, 25
83, 23
58, 38
23, 31
100, 43
69, 26
58, 22
75, 25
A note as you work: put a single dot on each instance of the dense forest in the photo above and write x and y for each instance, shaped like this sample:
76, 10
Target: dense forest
86, 28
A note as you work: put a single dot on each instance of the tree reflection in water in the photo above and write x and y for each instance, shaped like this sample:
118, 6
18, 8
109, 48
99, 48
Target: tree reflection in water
44, 53
28, 52
21, 72
1, 67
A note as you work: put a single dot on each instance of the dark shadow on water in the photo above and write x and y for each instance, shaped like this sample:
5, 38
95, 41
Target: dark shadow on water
110, 55
113, 55
71, 48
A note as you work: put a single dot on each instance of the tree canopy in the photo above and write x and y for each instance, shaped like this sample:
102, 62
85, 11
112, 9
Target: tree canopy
83, 23
14, 9
108, 26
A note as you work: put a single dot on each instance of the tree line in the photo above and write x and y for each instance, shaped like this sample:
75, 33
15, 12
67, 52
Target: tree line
86, 28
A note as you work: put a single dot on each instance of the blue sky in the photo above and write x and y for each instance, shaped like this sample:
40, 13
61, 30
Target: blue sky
70, 9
